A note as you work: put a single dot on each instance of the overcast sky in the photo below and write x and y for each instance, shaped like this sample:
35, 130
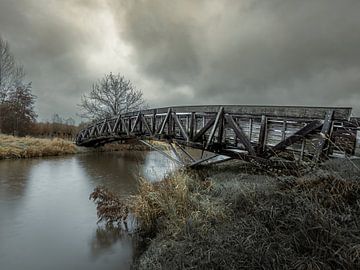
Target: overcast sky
275, 52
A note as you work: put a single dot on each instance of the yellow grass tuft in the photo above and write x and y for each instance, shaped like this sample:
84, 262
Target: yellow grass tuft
27, 147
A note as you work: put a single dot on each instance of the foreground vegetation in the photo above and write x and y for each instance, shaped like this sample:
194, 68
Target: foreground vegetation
27, 147
237, 218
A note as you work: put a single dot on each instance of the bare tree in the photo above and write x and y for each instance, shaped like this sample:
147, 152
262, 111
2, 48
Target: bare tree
110, 96
11, 73
18, 111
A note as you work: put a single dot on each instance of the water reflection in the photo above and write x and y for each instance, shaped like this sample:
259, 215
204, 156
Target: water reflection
105, 237
47, 220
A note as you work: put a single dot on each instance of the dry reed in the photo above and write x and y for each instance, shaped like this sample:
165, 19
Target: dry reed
249, 221
27, 147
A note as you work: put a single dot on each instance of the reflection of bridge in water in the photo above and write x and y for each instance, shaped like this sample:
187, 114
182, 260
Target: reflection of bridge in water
265, 134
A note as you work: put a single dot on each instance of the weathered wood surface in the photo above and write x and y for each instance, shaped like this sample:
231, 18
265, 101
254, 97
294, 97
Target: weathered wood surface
261, 132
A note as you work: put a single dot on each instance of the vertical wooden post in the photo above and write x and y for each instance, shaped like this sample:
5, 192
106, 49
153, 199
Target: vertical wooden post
262, 136
154, 122
192, 125
283, 131
250, 128
129, 124
140, 123
357, 143
325, 135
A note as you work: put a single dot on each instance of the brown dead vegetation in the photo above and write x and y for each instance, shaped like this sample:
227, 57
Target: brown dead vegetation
27, 147
239, 220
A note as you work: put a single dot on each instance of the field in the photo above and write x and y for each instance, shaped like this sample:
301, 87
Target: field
234, 216
27, 147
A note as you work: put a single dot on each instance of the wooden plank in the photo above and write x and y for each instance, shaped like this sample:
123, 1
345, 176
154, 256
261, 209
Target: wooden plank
262, 135
116, 123
357, 148
240, 135
308, 112
176, 153
136, 122
325, 135
164, 122
93, 131
143, 119
109, 127
298, 136
125, 126
161, 152
153, 122
198, 162
192, 125
214, 127
203, 130
102, 127
182, 130
184, 151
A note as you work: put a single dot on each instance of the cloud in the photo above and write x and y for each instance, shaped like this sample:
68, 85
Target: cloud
189, 52
263, 52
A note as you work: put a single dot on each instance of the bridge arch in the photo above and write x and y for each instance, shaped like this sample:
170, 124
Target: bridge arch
261, 133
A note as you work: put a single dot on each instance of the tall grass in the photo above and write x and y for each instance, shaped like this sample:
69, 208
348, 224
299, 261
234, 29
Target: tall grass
232, 220
27, 147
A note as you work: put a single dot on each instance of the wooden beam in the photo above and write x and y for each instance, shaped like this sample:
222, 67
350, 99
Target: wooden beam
136, 122
184, 151
102, 127
296, 137
93, 130
116, 123
109, 127
240, 135
162, 127
198, 162
146, 124
192, 125
125, 126
325, 135
203, 130
176, 153
262, 136
214, 127
178, 123
153, 123
161, 152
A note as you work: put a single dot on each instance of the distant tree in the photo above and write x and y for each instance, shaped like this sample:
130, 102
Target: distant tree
16, 100
57, 119
110, 96
18, 111
11, 73
70, 121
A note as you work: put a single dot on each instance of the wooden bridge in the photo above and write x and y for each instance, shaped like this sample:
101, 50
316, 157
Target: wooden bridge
253, 133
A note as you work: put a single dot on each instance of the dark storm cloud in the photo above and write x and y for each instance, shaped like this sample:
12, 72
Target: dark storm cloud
47, 39
187, 52
264, 52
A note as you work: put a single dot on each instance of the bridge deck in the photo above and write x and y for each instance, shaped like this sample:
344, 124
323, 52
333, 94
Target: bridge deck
252, 132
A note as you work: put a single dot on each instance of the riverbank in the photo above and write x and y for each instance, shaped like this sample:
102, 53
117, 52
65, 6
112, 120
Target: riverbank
231, 217
12, 147
28, 147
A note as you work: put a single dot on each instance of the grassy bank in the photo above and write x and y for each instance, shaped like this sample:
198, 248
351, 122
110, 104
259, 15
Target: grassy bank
27, 147
230, 217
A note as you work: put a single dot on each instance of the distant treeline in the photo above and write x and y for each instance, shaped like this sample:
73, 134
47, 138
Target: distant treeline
51, 130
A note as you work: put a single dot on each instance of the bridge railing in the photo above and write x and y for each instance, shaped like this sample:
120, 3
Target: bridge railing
262, 132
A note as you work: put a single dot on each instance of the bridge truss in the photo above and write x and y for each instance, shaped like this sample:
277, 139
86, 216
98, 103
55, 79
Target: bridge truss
264, 134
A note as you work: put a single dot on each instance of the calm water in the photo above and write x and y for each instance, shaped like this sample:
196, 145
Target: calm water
47, 220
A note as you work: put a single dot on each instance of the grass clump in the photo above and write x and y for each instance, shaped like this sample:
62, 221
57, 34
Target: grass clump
27, 147
240, 220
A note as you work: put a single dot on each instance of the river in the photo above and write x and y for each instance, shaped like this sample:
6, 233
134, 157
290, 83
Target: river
47, 220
